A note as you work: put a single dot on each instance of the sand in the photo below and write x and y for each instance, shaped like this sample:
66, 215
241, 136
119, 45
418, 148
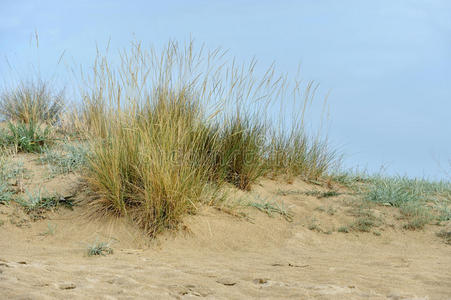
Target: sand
221, 256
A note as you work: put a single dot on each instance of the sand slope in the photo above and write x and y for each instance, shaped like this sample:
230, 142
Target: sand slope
220, 256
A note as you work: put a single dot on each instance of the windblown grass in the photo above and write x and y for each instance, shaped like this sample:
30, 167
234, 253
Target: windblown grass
33, 101
167, 130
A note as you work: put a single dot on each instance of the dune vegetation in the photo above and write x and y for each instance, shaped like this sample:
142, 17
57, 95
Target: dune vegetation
160, 133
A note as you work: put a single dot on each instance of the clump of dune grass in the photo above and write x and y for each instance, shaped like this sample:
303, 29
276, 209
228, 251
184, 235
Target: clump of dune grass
99, 249
28, 137
34, 101
167, 130
37, 204
445, 235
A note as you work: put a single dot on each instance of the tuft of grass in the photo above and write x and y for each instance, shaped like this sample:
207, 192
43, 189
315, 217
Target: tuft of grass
51, 229
363, 224
412, 197
444, 212
343, 229
417, 215
241, 151
5, 193
314, 225
281, 192
32, 101
297, 154
319, 194
28, 137
99, 249
365, 219
445, 235
397, 191
167, 130
272, 207
37, 204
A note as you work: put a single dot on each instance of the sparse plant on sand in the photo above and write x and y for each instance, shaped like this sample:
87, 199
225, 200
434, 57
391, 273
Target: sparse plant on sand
51, 229
99, 249
445, 235
36, 204
270, 207
67, 159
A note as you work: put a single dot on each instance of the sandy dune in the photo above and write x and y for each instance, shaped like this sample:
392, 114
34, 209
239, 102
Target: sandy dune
220, 256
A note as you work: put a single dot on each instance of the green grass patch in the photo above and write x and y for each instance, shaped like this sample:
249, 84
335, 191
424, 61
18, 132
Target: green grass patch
29, 137
99, 249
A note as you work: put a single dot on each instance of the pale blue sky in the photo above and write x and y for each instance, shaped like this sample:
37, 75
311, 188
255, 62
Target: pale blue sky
387, 63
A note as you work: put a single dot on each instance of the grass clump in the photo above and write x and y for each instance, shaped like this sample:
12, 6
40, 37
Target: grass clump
445, 235
417, 215
363, 224
241, 149
343, 229
270, 207
36, 204
166, 131
319, 194
32, 101
99, 249
28, 137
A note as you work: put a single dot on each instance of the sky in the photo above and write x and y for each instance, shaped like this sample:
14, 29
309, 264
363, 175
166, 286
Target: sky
386, 63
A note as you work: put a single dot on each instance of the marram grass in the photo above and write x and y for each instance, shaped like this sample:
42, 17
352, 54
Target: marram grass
167, 130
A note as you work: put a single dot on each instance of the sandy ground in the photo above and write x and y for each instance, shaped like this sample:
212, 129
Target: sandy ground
220, 256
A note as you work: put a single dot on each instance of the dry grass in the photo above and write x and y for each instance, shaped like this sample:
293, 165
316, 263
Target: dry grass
34, 101
165, 130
